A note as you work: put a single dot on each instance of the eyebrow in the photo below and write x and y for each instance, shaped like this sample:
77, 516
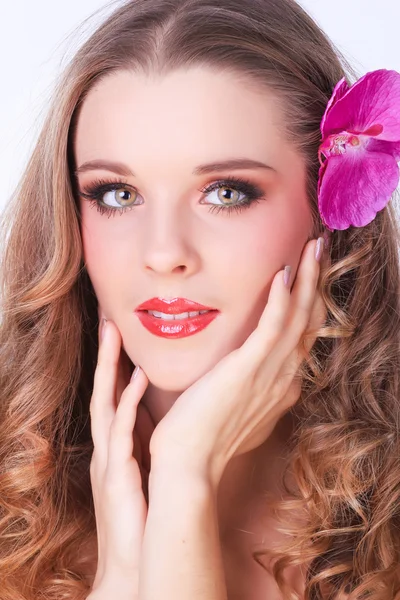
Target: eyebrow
122, 169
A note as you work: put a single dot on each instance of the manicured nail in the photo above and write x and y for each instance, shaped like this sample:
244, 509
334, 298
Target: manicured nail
135, 372
103, 328
319, 248
286, 275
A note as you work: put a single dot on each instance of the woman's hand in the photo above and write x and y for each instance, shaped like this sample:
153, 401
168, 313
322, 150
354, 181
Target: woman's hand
235, 406
121, 430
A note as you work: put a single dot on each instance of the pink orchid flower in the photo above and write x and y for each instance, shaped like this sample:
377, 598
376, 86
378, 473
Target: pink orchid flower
361, 144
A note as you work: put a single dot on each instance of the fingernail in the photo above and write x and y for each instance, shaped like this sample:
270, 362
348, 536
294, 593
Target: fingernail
135, 372
103, 328
286, 275
319, 248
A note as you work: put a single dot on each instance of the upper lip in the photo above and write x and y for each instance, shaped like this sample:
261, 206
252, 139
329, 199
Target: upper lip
175, 306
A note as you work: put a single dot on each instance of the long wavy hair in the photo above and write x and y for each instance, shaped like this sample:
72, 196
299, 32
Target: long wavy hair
345, 451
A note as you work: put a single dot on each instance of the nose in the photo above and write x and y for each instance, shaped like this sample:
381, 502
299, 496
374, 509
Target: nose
168, 241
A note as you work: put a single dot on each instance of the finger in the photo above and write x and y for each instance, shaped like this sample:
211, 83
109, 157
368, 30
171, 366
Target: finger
291, 364
289, 374
121, 441
102, 403
303, 294
270, 325
319, 311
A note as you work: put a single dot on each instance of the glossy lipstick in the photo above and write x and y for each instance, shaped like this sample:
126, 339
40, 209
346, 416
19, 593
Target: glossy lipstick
174, 328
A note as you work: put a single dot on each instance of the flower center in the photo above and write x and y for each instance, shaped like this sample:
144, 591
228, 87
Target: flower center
340, 143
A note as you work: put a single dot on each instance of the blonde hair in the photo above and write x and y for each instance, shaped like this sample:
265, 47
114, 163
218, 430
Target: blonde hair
345, 452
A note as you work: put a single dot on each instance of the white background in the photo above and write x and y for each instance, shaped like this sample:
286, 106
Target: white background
38, 37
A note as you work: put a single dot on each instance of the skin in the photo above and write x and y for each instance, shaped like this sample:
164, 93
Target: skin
171, 245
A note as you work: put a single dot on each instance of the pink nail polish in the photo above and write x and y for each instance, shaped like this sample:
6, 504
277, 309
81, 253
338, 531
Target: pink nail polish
135, 372
319, 248
286, 275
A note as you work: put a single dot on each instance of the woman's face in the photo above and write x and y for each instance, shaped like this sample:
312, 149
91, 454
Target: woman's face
178, 241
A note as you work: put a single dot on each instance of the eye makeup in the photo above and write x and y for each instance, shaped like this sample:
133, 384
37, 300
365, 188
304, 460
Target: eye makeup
96, 190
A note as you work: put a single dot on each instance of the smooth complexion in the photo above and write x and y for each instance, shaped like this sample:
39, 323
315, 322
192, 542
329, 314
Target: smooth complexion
172, 243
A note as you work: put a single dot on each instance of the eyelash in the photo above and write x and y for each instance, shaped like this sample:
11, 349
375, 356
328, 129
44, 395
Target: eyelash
99, 187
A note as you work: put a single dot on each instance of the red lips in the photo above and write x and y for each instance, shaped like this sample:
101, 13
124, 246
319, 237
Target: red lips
174, 328
174, 306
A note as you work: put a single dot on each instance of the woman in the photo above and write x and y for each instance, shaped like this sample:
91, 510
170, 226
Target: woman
165, 486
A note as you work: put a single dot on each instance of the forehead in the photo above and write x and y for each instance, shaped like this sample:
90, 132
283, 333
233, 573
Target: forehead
188, 113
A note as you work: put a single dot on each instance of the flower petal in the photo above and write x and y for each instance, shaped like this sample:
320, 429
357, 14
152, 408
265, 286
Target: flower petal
341, 88
391, 148
374, 99
321, 174
354, 187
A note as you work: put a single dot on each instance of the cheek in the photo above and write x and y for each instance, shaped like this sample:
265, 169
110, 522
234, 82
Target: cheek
248, 276
264, 249
104, 254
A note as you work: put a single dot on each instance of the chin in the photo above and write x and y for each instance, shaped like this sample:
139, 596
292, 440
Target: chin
174, 375
176, 366
174, 379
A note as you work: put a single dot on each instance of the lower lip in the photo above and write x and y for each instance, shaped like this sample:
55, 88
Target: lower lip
178, 328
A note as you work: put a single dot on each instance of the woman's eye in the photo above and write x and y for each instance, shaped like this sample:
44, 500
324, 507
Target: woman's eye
225, 196
119, 197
